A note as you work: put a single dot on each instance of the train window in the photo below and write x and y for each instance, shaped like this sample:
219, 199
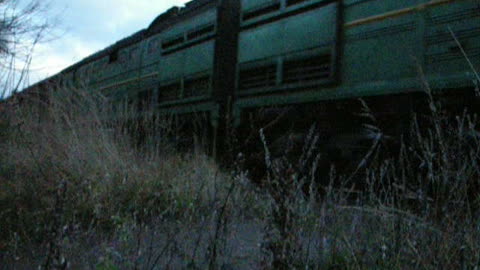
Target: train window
257, 77
310, 68
169, 92
294, 2
113, 57
166, 44
196, 87
261, 10
201, 31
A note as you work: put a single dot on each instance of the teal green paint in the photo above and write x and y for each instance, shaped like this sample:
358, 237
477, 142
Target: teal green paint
191, 23
383, 57
288, 35
354, 91
442, 53
199, 58
355, 9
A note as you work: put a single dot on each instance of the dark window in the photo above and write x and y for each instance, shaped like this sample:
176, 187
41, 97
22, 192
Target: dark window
196, 87
307, 69
172, 42
203, 31
256, 77
113, 57
294, 2
169, 92
262, 10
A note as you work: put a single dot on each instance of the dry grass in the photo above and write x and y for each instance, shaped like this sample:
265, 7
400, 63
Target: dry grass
75, 192
70, 167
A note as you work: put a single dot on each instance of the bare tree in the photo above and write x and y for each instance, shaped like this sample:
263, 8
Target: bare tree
23, 24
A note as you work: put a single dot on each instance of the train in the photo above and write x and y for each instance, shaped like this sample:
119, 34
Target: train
244, 64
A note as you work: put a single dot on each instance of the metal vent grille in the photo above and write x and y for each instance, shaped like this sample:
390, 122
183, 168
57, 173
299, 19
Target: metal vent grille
196, 87
257, 77
307, 69
167, 44
456, 16
445, 36
294, 2
169, 92
261, 10
201, 32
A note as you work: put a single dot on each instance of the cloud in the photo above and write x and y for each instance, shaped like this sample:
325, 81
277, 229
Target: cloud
50, 59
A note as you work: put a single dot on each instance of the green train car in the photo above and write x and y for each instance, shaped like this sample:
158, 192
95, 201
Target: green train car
310, 59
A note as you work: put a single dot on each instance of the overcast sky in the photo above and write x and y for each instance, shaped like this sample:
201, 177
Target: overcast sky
87, 26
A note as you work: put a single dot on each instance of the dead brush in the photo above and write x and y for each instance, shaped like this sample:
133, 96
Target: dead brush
285, 188
71, 137
430, 190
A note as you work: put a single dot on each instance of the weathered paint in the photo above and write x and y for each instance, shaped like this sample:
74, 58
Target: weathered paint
280, 52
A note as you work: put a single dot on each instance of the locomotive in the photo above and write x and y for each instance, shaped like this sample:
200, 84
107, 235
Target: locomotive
241, 64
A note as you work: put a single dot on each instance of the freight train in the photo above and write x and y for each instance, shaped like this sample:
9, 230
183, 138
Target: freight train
243, 64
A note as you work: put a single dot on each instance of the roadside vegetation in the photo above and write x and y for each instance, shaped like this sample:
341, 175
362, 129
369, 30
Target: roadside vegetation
75, 192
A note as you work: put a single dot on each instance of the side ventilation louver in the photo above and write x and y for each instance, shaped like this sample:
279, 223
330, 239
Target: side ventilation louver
172, 42
169, 92
307, 69
203, 31
196, 87
257, 77
261, 10
294, 2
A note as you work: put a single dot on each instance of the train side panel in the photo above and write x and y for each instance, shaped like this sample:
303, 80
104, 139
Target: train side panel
287, 48
382, 49
452, 34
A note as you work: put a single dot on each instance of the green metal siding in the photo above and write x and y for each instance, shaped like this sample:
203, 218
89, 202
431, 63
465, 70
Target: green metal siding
199, 58
384, 56
358, 9
363, 55
442, 53
387, 50
253, 4
191, 23
300, 32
